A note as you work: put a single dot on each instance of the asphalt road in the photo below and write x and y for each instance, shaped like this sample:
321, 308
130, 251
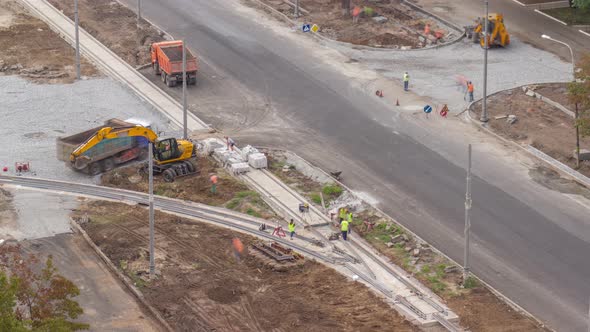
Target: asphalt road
529, 243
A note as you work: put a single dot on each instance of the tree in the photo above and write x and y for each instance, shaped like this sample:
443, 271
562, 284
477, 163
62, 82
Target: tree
36, 301
582, 4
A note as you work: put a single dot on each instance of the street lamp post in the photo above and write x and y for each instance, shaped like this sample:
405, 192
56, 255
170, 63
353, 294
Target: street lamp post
77, 34
576, 105
484, 110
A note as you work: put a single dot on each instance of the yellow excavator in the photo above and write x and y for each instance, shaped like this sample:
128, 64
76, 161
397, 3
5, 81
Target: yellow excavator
497, 33
109, 146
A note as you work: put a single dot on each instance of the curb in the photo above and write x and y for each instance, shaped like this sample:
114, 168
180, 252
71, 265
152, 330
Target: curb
321, 37
530, 150
496, 292
121, 276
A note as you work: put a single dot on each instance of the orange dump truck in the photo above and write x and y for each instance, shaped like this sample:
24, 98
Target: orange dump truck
167, 62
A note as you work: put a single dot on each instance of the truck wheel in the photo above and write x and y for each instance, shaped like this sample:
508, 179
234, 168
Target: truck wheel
192, 80
164, 77
189, 166
169, 82
94, 169
108, 164
169, 175
156, 67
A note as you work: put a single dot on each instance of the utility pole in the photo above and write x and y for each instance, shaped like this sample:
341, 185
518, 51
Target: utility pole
151, 201
76, 23
484, 111
296, 8
577, 140
467, 217
184, 110
138, 12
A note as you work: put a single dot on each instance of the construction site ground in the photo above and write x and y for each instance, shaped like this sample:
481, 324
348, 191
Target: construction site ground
477, 307
539, 124
31, 50
231, 192
105, 20
202, 285
403, 28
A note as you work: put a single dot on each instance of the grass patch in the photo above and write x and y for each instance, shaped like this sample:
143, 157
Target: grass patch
241, 196
253, 213
315, 197
572, 16
470, 282
233, 203
332, 190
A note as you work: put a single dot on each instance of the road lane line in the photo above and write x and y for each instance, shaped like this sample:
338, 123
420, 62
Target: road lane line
520, 3
584, 32
551, 17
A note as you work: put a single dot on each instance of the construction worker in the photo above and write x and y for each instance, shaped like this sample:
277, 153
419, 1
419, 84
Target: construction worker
214, 180
406, 81
356, 12
291, 228
344, 229
342, 214
230, 143
470, 90
238, 248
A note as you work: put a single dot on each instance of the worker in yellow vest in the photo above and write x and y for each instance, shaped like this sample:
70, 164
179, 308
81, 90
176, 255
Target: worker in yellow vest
292, 228
344, 229
406, 81
342, 215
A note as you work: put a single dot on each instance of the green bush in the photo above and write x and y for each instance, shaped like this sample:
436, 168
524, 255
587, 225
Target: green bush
470, 282
332, 190
233, 203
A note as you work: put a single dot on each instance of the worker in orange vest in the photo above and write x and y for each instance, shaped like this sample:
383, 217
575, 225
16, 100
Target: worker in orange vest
214, 180
470, 90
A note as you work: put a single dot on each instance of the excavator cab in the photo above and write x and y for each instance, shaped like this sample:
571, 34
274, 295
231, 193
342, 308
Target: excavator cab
166, 149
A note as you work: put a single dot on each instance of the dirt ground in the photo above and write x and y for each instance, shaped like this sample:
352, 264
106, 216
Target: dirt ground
105, 19
203, 287
539, 124
32, 50
404, 26
231, 193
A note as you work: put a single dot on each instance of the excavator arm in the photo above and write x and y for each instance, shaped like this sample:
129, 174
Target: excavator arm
111, 133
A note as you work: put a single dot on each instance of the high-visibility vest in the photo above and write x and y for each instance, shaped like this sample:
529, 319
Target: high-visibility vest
291, 227
406, 77
470, 87
349, 217
344, 225
342, 213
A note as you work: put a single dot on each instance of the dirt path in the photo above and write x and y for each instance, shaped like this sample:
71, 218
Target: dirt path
30, 49
106, 302
203, 287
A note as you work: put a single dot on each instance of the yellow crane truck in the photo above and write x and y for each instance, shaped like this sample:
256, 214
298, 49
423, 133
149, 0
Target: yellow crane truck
101, 149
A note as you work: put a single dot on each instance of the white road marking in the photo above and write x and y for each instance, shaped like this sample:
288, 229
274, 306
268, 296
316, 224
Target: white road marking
520, 3
584, 32
551, 17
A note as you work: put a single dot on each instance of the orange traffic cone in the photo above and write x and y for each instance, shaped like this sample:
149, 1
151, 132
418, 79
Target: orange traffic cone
397, 102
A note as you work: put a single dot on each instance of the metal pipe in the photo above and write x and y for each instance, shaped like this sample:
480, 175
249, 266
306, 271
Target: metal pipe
184, 109
77, 23
484, 111
151, 203
467, 217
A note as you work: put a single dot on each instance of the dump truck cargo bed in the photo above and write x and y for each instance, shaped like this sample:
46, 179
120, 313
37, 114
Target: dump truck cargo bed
66, 145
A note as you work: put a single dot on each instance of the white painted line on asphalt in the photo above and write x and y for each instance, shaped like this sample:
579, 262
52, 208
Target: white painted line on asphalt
520, 3
551, 17
584, 32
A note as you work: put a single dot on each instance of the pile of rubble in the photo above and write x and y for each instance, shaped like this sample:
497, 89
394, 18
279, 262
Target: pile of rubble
34, 72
